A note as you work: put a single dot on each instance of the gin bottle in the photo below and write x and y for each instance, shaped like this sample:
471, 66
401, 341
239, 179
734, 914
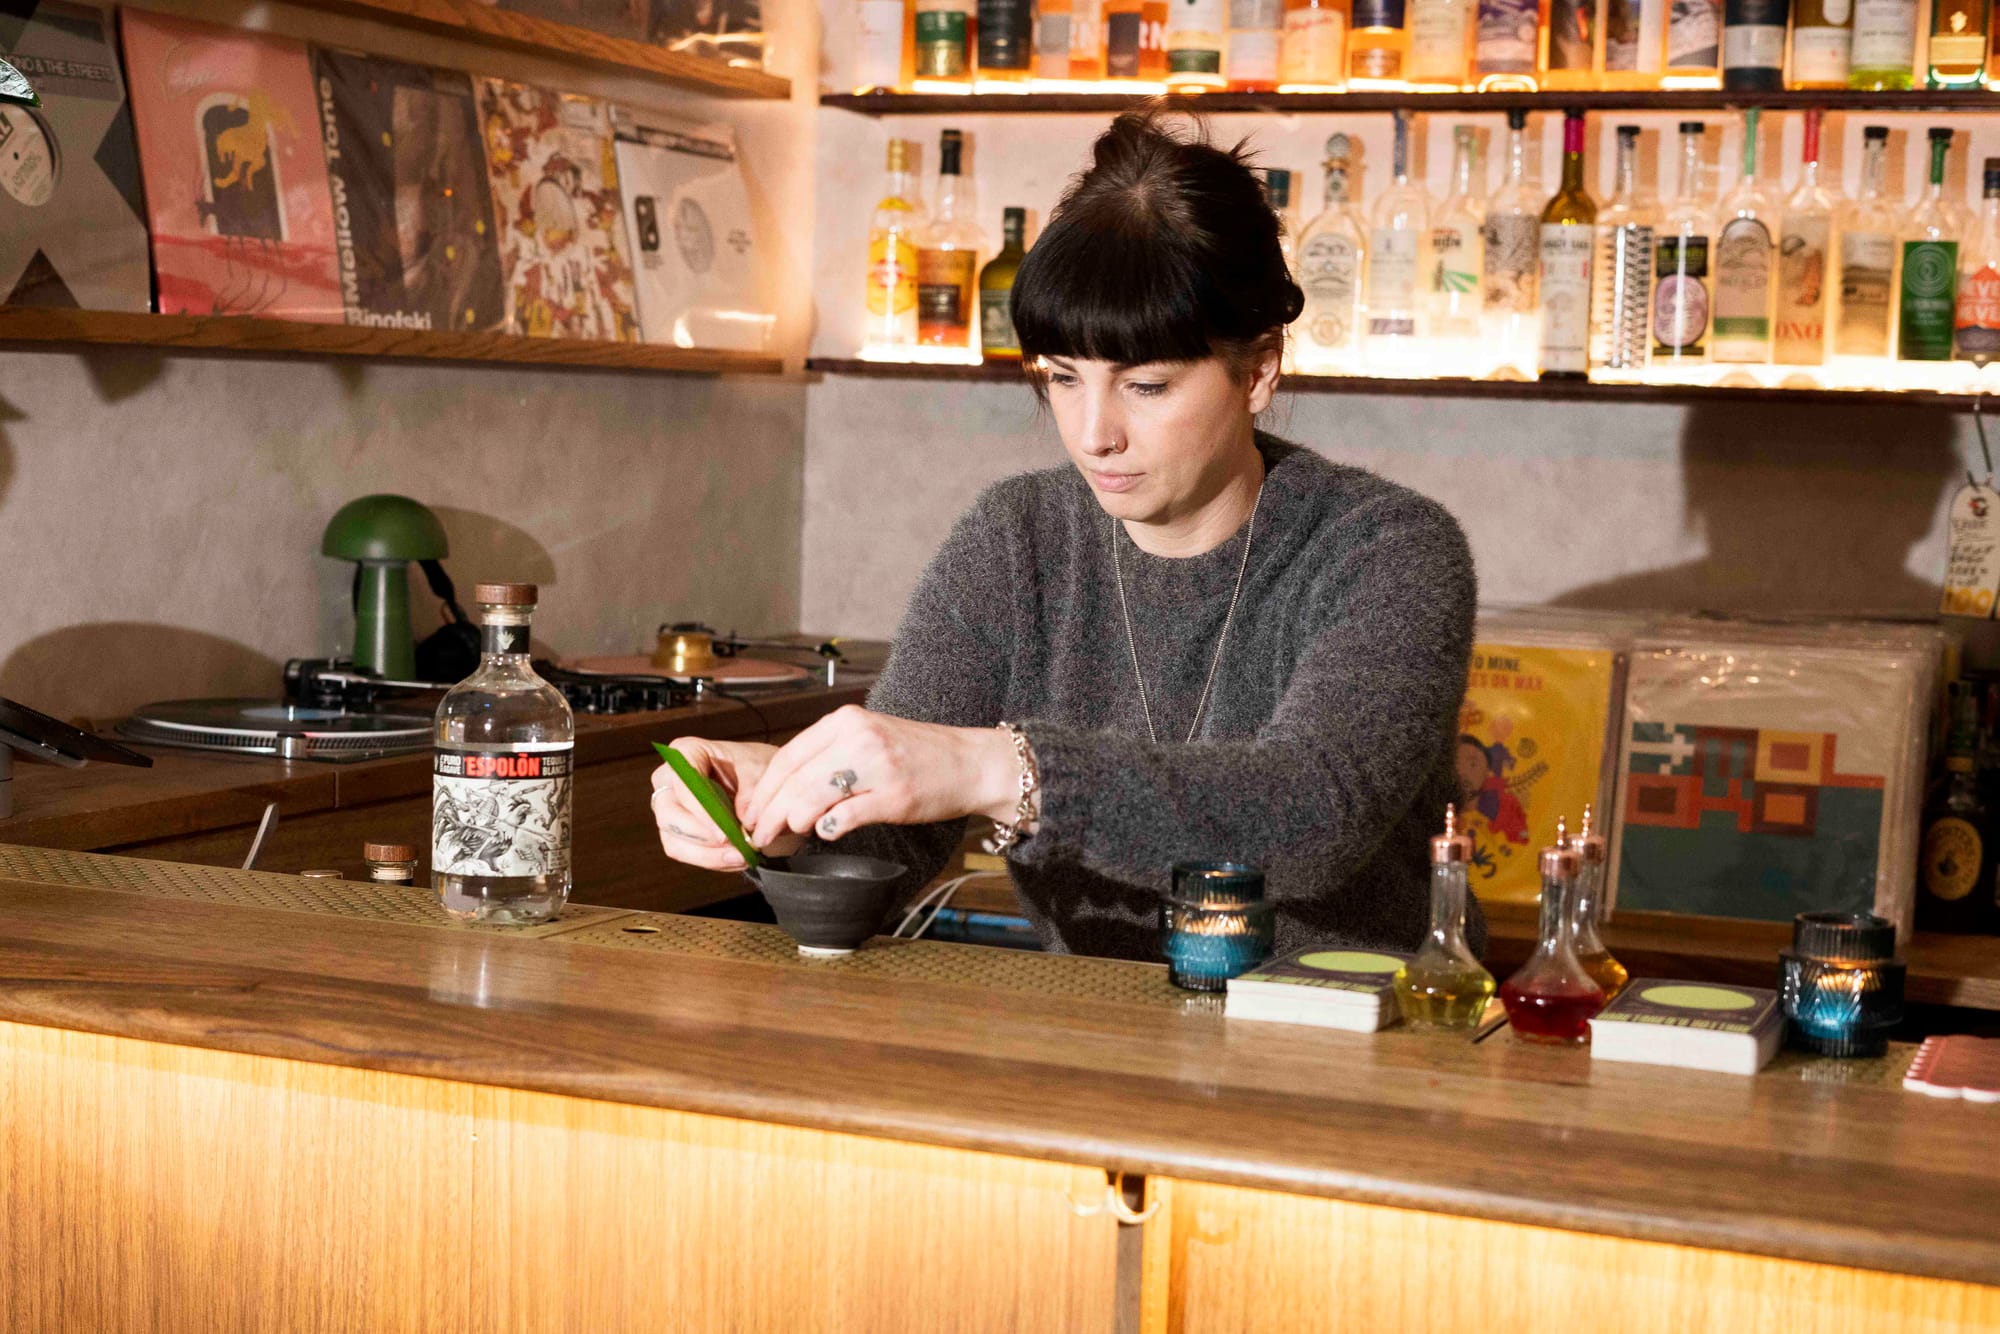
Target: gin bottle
500, 788
1455, 254
1929, 268
1444, 985
1622, 293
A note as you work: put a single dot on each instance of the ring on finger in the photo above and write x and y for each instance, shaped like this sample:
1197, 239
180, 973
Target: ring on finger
844, 779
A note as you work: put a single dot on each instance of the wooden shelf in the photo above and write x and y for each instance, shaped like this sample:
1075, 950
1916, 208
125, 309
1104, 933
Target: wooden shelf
541, 37
1004, 372
235, 334
1701, 99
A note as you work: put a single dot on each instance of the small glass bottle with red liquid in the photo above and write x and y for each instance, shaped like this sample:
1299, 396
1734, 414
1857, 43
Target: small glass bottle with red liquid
1590, 951
1551, 998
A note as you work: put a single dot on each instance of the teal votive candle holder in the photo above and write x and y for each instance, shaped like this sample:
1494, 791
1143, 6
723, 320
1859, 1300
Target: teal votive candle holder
1214, 924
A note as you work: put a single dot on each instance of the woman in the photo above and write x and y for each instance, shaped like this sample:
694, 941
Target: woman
1198, 642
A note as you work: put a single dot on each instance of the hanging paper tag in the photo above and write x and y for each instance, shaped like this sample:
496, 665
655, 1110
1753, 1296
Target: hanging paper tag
1972, 566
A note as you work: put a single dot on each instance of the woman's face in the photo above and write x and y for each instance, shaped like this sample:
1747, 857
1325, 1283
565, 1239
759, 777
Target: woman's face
1156, 441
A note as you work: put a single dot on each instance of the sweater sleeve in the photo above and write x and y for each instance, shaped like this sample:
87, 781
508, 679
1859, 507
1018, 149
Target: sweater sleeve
1362, 725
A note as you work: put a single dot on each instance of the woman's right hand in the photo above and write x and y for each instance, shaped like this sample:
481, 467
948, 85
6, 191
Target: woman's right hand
686, 832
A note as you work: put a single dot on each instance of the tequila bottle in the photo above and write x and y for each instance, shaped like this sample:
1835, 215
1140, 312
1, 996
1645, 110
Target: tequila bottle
1331, 253
948, 260
1929, 262
1512, 261
1978, 321
1744, 250
1455, 253
1867, 257
1444, 985
1567, 236
1396, 238
500, 787
891, 303
1805, 254
1680, 267
1622, 296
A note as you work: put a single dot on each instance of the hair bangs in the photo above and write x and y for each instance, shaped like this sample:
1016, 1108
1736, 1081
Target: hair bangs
1128, 303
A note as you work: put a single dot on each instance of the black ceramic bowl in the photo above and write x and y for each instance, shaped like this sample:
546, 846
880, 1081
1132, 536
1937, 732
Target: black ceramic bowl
828, 902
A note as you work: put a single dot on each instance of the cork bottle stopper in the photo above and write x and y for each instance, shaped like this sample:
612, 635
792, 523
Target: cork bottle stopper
388, 852
505, 595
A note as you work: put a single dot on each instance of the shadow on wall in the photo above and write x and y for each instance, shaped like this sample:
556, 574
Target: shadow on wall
1802, 509
108, 668
119, 373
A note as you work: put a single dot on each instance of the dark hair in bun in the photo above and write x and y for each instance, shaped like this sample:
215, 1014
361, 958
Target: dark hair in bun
1164, 249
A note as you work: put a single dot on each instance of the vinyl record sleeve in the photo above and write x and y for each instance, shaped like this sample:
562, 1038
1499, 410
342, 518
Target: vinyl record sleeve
72, 222
687, 217
562, 229
413, 213
236, 186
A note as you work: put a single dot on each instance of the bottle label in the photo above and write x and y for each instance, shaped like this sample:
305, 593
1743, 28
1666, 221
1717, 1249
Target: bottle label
996, 322
1313, 44
944, 285
1972, 558
879, 58
1052, 44
1392, 282
1506, 37
1952, 854
1256, 28
1753, 46
1194, 36
1743, 281
1455, 251
1867, 268
1801, 332
1694, 28
1885, 35
1438, 33
1565, 282
892, 275
1086, 31
1960, 49
1621, 295
1820, 55
1005, 28
1378, 13
1256, 15
1680, 300
1621, 35
941, 52
1327, 265
1930, 280
1570, 34
1978, 319
1512, 261
1122, 34
1195, 60
500, 813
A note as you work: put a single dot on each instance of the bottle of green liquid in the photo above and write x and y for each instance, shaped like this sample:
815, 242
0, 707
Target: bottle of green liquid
1930, 268
1444, 986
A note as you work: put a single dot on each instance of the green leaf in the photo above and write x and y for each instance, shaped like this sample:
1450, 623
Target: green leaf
711, 801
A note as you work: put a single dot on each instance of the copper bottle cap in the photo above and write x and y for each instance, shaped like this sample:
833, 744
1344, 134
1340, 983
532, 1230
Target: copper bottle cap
1589, 844
388, 852
505, 595
1452, 845
1559, 859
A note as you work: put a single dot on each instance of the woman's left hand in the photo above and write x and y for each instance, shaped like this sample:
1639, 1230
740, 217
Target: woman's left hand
854, 768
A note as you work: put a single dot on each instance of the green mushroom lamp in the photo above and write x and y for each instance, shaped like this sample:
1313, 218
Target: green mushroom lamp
382, 535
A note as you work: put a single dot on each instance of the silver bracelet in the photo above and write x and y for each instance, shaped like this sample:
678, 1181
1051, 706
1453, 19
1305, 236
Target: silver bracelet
1007, 835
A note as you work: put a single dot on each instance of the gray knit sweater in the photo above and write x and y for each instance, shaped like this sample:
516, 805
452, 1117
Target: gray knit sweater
1323, 756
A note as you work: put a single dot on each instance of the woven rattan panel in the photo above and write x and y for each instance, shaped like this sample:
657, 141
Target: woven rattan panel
408, 904
904, 960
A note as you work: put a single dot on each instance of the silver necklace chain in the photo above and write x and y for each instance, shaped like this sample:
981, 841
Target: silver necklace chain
1132, 641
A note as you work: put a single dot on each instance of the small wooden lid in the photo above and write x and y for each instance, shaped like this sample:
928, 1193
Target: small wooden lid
505, 595
388, 852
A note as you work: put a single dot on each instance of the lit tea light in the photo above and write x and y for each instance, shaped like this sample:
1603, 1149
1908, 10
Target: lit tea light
1841, 984
1215, 924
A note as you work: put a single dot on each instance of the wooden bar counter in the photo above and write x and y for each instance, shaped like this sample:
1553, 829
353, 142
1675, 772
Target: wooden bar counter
232, 1100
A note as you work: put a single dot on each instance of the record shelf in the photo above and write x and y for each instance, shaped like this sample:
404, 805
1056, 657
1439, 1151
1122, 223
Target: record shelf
1581, 391
1679, 99
238, 334
500, 27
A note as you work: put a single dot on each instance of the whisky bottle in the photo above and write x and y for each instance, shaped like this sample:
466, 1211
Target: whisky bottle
1312, 54
1256, 32
1977, 332
1006, 42
1504, 45
1396, 236
996, 290
1822, 43
1957, 55
1744, 250
1929, 268
1885, 45
1862, 327
1680, 267
1377, 44
945, 31
948, 257
891, 305
503, 743
1805, 261
1440, 44
1622, 295
1456, 262
1195, 35
1567, 235
1511, 265
1331, 253
1135, 41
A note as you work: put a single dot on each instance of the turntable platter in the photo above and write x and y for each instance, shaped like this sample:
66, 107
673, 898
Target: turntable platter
727, 672
278, 727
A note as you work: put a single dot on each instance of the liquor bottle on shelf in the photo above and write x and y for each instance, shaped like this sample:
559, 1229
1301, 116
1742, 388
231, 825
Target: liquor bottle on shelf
1634, 43
1957, 55
503, 743
1955, 890
1929, 268
1196, 31
1277, 182
1377, 44
1312, 55
1694, 45
1744, 251
1572, 32
882, 46
1511, 264
997, 338
1567, 234
1753, 44
1135, 41
1086, 41
1396, 235
891, 307
1256, 31
1550, 998
1052, 40
1504, 41
1456, 262
1006, 45
945, 34
1444, 986
1977, 332
1680, 266
1622, 291
1885, 45
1822, 43
1861, 326
1331, 253
948, 259
1805, 261
1440, 44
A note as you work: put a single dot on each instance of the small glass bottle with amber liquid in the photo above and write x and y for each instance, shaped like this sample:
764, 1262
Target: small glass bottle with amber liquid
1444, 985
1591, 855
500, 787
1552, 998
